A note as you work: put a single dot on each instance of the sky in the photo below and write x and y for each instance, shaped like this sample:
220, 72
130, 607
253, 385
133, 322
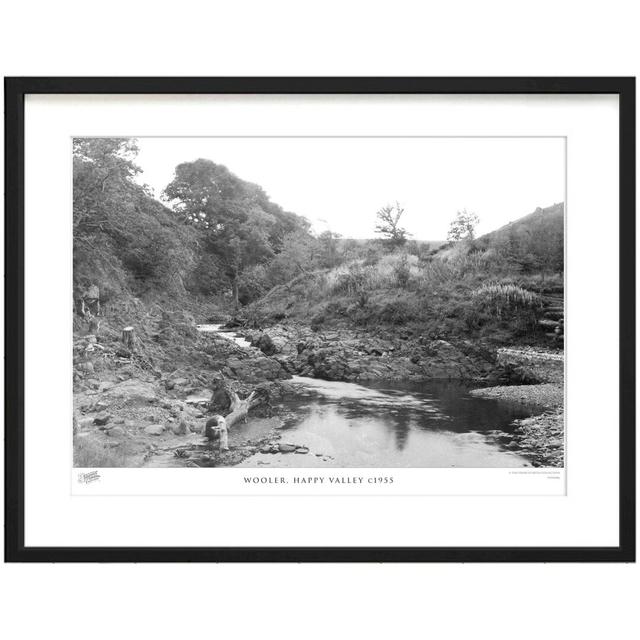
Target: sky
340, 183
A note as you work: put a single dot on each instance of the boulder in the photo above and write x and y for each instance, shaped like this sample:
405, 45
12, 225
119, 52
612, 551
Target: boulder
87, 366
115, 431
266, 345
154, 430
102, 418
180, 429
286, 448
85, 423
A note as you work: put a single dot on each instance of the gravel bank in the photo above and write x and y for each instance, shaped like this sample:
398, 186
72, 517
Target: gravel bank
548, 395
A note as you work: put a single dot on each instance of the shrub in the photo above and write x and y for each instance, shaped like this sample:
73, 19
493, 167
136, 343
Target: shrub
397, 312
402, 272
352, 281
507, 302
504, 298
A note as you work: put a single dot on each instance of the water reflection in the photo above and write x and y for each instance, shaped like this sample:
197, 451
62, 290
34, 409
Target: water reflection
432, 424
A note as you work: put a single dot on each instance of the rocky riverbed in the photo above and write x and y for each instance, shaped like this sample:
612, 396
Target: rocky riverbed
541, 436
351, 356
148, 406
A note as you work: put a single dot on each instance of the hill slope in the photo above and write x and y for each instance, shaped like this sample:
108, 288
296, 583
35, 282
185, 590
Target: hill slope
492, 287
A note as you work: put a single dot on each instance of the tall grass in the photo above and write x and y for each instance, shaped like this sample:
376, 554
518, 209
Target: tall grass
89, 453
505, 302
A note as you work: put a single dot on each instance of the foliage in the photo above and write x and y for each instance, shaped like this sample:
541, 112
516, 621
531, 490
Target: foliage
507, 302
463, 226
502, 299
123, 238
235, 219
402, 272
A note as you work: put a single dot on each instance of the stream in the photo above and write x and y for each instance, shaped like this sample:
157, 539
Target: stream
389, 424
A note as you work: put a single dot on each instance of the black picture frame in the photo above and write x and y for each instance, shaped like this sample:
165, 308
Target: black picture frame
15, 91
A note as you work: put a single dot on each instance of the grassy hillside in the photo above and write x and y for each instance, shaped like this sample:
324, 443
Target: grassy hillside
494, 287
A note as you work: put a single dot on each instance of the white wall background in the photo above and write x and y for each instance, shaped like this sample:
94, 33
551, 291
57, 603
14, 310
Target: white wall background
325, 38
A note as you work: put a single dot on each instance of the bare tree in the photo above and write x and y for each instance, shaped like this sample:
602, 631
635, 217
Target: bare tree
388, 225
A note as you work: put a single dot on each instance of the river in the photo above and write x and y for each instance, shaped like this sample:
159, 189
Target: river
391, 424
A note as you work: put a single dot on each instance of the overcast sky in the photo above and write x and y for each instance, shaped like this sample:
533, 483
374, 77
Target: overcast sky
340, 183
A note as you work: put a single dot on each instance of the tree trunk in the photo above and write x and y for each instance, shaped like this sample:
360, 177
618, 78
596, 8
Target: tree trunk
218, 426
236, 300
128, 338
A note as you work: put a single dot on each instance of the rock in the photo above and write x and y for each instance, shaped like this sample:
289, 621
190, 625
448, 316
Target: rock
87, 366
180, 382
132, 391
180, 429
102, 418
265, 344
286, 448
265, 449
101, 405
154, 430
302, 450
85, 423
115, 431
195, 428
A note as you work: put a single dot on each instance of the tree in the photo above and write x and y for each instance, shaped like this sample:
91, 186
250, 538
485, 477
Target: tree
328, 243
463, 226
238, 222
388, 225
123, 238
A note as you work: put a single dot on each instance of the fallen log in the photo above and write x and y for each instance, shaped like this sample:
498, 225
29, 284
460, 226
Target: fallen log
218, 426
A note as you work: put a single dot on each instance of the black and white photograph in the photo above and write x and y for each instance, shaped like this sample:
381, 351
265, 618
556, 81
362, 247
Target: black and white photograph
318, 302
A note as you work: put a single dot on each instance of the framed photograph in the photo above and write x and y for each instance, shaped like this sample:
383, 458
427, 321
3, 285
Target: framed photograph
320, 319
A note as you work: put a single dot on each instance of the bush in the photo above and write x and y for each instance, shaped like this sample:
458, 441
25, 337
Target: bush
402, 272
397, 312
506, 302
352, 281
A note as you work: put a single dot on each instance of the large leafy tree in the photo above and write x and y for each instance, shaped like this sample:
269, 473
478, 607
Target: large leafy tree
123, 238
240, 226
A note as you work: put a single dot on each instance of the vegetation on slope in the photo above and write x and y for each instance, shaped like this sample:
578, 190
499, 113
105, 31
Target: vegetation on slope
491, 287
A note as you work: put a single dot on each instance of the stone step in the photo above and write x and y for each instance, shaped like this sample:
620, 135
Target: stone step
545, 323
